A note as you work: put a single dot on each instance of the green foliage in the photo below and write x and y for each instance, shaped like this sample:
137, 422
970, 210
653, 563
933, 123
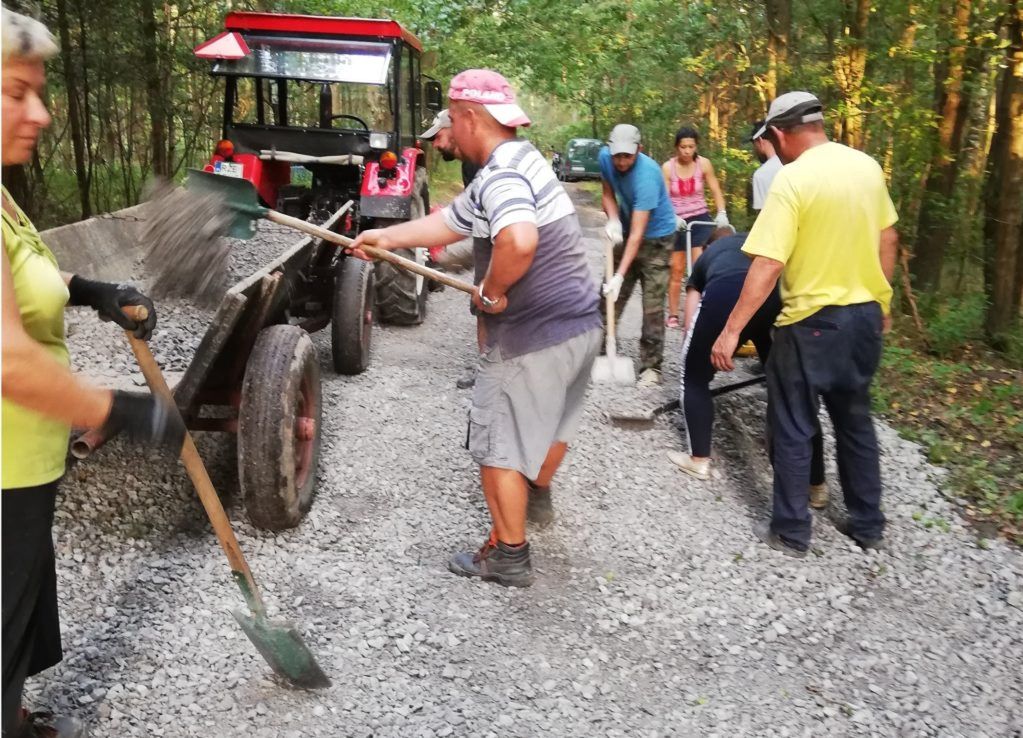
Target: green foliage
954, 322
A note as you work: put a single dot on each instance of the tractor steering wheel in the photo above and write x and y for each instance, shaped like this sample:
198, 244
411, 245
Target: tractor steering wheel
353, 117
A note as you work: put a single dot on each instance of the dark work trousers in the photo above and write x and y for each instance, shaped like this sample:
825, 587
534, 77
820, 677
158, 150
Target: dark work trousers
716, 305
31, 629
833, 355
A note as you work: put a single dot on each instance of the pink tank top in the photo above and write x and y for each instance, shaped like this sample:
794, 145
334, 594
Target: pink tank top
687, 194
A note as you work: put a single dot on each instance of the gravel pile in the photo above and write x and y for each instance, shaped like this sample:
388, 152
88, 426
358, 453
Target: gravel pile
655, 612
99, 348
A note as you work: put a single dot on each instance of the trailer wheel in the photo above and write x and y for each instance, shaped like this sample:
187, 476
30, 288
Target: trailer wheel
279, 428
401, 295
351, 329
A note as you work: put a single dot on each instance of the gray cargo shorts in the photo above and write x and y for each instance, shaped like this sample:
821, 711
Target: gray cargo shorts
522, 405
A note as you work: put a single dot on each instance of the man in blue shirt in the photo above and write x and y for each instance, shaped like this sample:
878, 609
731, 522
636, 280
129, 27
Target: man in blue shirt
636, 202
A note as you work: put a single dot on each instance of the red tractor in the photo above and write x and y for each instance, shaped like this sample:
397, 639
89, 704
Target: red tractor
319, 111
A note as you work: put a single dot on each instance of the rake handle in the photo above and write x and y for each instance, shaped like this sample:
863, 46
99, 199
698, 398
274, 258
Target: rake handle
398, 261
197, 470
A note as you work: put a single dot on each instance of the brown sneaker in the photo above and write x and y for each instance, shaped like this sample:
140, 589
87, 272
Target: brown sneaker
495, 562
818, 496
539, 508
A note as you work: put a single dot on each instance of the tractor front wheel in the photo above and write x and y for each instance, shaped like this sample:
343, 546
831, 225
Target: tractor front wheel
351, 329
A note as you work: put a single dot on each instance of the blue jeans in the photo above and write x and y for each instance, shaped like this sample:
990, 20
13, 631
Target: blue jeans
831, 355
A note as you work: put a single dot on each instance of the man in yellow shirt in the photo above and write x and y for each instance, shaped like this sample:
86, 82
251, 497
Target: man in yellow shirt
827, 230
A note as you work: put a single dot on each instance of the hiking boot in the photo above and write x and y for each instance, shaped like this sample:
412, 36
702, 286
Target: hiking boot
764, 533
818, 496
699, 468
867, 544
539, 509
495, 562
649, 378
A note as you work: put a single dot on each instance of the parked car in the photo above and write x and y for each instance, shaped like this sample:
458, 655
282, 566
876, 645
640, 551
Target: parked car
580, 160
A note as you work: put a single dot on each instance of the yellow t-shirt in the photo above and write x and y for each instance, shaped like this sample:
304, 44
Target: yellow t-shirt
34, 446
823, 220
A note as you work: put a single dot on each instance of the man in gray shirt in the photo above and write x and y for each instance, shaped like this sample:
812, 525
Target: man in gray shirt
540, 307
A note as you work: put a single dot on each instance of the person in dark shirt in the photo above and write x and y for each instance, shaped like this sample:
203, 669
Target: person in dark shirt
711, 293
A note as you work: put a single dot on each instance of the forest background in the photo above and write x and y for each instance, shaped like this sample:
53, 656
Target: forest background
933, 89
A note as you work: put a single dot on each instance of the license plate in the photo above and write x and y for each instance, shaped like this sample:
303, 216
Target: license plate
228, 169
578, 169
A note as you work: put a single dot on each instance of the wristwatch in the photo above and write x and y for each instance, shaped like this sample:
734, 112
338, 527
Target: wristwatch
487, 302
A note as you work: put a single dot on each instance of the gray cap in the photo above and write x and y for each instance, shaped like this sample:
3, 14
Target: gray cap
791, 109
441, 121
624, 139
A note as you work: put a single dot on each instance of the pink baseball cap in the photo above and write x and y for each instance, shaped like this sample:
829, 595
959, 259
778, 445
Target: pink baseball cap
492, 91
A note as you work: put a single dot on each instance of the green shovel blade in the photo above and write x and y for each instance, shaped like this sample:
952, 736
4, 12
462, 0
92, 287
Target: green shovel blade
236, 194
282, 648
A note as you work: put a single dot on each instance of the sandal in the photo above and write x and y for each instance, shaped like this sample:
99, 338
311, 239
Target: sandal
671, 322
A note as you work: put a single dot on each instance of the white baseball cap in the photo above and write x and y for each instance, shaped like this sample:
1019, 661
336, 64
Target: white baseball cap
624, 139
440, 121
791, 109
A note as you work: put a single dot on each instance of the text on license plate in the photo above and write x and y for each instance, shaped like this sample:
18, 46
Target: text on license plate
578, 169
228, 169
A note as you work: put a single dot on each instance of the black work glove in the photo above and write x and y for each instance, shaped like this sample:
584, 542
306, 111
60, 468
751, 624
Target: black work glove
146, 419
107, 299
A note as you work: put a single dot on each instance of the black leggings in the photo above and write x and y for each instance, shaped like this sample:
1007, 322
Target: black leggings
716, 305
31, 628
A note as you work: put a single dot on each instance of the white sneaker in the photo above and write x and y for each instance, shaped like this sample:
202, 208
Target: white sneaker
699, 468
649, 378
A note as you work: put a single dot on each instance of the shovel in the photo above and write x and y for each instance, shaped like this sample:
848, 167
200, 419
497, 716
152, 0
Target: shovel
611, 367
241, 199
645, 419
278, 642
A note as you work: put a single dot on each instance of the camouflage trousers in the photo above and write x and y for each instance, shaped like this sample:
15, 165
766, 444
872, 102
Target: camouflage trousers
652, 269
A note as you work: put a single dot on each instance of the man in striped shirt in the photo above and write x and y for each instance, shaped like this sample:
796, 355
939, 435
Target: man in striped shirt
540, 308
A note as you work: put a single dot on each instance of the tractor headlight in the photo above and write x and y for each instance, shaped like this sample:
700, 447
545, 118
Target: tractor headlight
378, 141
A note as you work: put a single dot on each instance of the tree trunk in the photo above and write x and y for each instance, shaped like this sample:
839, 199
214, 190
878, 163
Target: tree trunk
934, 229
1003, 227
74, 111
154, 88
850, 66
779, 27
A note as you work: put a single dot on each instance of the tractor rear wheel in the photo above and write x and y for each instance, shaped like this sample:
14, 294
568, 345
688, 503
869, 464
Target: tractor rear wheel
351, 328
401, 295
279, 428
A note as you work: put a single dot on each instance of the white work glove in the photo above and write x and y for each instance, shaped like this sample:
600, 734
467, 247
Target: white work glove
680, 223
721, 219
613, 230
612, 288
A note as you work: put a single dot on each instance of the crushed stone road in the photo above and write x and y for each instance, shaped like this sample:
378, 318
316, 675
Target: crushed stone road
655, 612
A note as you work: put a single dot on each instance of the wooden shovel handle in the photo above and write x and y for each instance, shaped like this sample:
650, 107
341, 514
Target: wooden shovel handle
398, 261
610, 342
196, 469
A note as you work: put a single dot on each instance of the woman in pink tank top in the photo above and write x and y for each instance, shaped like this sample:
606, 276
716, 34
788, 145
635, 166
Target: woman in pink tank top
686, 175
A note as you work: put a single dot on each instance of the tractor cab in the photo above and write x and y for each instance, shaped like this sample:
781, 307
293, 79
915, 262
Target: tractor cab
322, 110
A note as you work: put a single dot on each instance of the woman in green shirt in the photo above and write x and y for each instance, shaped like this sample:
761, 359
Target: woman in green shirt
42, 399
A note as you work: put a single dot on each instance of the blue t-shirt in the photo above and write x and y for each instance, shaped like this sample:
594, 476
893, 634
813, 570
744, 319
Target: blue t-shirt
640, 188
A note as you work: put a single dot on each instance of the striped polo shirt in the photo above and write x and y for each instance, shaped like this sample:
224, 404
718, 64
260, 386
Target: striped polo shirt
557, 298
